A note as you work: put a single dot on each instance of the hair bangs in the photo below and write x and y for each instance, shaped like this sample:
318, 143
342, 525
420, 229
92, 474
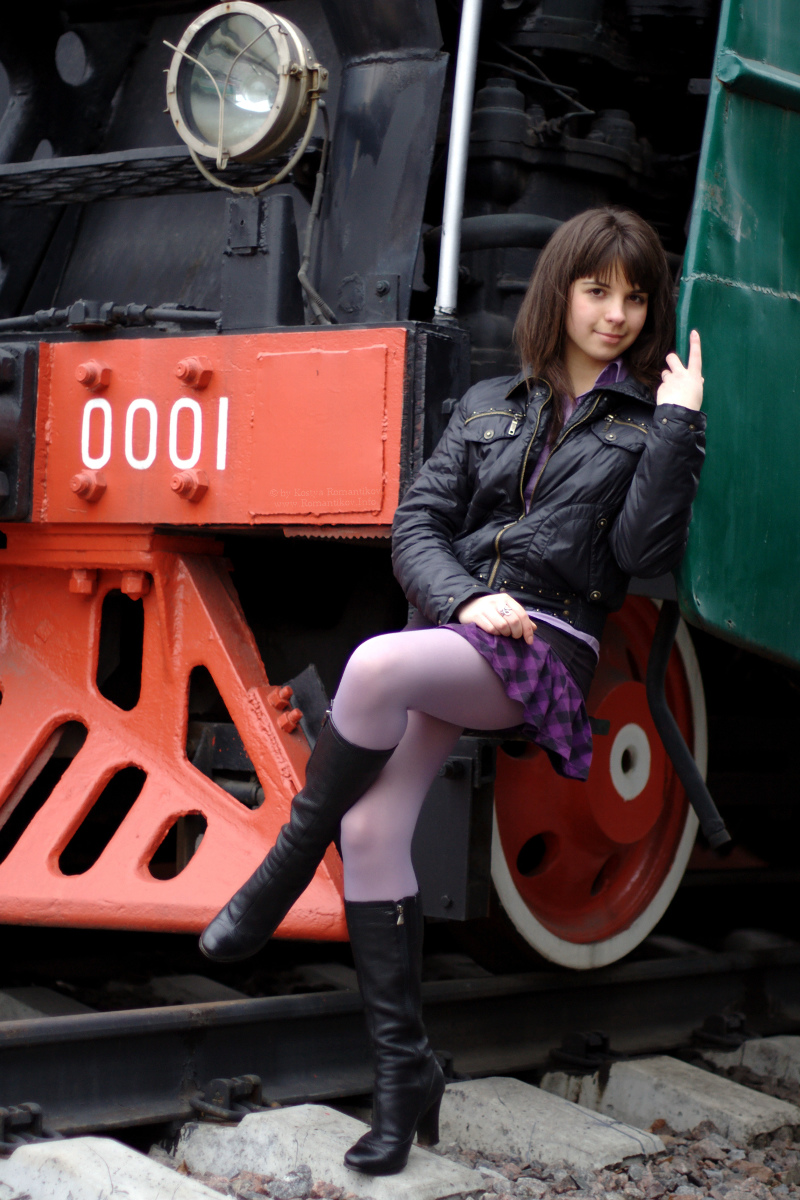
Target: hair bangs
613, 251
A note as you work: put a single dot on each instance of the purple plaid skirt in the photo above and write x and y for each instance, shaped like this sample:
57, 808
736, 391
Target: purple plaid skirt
555, 716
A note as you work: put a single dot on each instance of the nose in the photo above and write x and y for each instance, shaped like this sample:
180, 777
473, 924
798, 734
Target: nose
615, 313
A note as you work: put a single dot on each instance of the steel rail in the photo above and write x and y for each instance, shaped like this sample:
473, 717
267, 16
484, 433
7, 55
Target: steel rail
105, 1071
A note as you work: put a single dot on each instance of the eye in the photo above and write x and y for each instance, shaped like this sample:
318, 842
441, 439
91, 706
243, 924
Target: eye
638, 298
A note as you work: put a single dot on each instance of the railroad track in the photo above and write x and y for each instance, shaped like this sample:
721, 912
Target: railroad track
106, 1071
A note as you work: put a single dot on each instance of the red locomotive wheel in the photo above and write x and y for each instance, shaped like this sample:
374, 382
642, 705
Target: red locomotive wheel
585, 870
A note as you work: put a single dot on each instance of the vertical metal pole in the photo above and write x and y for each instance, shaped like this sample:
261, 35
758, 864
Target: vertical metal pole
457, 155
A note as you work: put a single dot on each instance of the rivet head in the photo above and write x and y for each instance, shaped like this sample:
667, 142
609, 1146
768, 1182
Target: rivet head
93, 374
191, 485
489, 434
89, 485
663, 420
595, 595
611, 437
196, 371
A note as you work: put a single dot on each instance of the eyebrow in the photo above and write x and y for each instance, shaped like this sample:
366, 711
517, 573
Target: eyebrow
600, 283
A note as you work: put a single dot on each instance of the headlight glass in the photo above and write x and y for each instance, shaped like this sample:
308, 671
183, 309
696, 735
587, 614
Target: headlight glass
239, 55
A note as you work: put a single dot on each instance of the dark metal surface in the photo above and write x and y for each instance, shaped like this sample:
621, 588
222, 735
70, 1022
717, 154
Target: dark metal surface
711, 822
111, 1070
17, 422
452, 842
393, 76
152, 171
260, 288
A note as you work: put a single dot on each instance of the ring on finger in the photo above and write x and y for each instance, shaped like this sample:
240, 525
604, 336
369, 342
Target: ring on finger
504, 610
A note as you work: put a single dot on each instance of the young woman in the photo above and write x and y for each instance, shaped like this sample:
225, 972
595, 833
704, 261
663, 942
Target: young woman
546, 493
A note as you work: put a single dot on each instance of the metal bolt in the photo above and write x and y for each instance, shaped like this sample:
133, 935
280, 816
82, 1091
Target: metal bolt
83, 582
196, 371
93, 374
89, 485
288, 721
279, 697
135, 584
382, 287
191, 485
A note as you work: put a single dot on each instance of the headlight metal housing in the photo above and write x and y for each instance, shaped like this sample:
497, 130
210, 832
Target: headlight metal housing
299, 78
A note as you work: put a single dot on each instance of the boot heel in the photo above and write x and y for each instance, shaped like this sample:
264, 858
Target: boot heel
428, 1127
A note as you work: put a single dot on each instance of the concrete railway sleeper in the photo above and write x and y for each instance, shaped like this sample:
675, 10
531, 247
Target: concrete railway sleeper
647, 1127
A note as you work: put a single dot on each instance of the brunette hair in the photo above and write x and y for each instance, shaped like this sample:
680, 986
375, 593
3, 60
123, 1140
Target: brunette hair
591, 245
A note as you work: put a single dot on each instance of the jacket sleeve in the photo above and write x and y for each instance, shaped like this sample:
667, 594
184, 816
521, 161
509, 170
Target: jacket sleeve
427, 520
650, 533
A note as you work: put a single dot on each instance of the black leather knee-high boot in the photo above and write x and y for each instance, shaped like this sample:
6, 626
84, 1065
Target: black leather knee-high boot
386, 939
337, 775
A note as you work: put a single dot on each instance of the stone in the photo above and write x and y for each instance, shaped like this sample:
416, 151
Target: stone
92, 1168
316, 1136
192, 989
648, 1089
507, 1116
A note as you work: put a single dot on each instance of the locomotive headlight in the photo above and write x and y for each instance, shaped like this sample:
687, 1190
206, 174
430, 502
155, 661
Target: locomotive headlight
240, 83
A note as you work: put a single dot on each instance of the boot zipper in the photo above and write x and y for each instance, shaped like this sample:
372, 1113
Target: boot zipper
521, 492
401, 916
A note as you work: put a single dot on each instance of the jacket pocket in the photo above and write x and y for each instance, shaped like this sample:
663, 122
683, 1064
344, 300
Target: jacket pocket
621, 433
494, 425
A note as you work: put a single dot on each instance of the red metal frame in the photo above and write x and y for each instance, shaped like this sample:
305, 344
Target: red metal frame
53, 584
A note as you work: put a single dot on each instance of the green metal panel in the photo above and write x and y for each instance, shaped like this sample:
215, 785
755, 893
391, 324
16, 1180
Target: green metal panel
741, 289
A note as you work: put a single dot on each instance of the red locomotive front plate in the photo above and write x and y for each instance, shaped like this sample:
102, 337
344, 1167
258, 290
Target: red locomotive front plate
299, 428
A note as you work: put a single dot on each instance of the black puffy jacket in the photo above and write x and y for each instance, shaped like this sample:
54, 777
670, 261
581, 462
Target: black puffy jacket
614, 500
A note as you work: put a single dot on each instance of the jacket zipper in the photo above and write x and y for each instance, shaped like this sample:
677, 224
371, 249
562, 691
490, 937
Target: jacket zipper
635, 424
521, 491
560, 441
494, 412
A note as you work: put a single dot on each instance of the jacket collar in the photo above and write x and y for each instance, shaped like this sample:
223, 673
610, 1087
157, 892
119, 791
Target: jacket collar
537, 388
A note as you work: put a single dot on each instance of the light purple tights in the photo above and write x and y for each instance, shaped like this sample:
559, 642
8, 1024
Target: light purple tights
417, 690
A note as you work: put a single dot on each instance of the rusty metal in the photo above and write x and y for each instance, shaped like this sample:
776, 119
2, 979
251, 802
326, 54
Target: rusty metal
229, 1099
22, 1124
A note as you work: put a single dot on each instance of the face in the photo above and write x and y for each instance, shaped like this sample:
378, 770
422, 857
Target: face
603, 319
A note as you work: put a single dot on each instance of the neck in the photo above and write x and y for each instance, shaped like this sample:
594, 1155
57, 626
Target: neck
582, 371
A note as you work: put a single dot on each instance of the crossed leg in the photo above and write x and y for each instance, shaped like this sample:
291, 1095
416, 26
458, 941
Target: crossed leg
417, 689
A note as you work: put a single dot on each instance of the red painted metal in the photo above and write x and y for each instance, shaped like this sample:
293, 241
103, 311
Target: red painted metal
52, 585
596, 860
297, 428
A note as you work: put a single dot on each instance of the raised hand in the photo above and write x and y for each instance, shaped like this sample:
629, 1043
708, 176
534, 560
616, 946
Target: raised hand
683, 384
497, 614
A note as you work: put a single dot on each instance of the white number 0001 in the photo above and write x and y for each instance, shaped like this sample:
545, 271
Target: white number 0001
150, 414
